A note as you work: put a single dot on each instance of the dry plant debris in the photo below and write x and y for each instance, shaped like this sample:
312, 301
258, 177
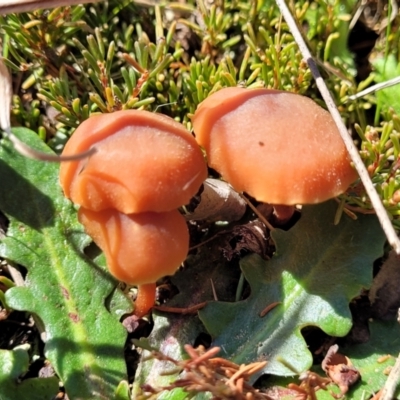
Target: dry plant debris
310, 383
340, 369
203, 372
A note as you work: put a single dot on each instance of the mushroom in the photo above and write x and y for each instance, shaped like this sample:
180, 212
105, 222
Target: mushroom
279, 147
139, 248
145, 166
144, 162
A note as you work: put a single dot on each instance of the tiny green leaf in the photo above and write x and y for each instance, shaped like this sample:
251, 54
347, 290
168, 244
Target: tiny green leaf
13, 366
388, 68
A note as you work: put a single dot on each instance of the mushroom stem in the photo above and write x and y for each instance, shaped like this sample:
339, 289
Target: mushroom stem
283, 213
146, 296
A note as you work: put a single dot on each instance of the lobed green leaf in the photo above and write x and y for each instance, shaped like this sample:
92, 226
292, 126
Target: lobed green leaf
317, 269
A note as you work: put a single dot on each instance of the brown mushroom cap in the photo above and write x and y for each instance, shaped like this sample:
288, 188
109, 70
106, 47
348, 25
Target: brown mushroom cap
280, 147
144, 162
139, 248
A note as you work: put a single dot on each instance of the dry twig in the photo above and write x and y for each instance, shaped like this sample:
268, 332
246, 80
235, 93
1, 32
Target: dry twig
391, 382
19, 6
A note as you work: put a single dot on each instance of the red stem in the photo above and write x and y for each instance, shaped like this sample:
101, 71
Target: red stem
146, 296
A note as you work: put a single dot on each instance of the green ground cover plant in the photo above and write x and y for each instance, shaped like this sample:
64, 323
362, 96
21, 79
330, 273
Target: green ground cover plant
273, 302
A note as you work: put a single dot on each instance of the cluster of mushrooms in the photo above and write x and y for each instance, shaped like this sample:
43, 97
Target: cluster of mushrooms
280, 148
145, 166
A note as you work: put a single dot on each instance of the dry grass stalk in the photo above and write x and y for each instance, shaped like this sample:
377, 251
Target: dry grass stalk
19, 6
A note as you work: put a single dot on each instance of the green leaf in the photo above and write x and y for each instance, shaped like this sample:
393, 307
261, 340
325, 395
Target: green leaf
64, 288
13, 365
122, 392
180, 394
317, 269
175, 394
373, 360
387, 68
367, 357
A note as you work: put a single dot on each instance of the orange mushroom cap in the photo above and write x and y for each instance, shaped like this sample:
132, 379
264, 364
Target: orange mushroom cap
139, 248
144, 162
280, 147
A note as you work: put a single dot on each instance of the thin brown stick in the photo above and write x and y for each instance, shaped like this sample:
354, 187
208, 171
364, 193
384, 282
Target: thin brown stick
183, 311
247, 370
191, 351
267, 309
19, 6
199, 358
207, 240
259, 215
223, 362
351, 148
257, 366
356, 209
